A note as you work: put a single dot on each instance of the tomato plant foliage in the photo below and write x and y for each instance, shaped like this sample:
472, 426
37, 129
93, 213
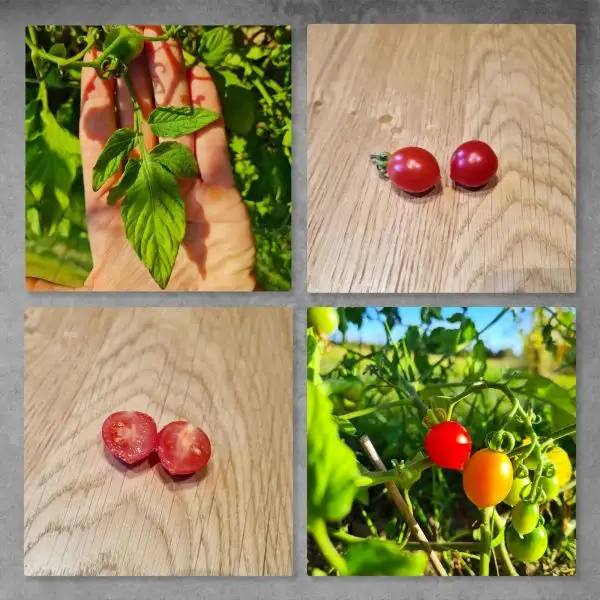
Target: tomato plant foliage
251, 67
371, 406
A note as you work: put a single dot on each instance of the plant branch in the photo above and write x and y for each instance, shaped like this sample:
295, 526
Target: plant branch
394, 492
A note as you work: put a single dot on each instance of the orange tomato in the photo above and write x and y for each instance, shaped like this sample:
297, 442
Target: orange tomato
487, 478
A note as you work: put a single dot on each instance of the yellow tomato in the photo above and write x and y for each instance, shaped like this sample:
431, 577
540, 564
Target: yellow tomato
564, 469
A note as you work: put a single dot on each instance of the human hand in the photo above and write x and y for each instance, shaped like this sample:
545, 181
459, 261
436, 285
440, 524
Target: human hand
218, 251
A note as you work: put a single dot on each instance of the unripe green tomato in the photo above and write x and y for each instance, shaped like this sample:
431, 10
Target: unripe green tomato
527, 548
514, 496
525, 517
551, 486
324, 319
127, 43
531, 462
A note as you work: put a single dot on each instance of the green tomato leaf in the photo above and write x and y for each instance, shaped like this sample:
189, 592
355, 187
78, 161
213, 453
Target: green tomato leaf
174, 121
216, 45
118, 146
52, 159
59, 50
153, 214
552, 393
239, 109
128, 178
332, 469
176, 158
383, 557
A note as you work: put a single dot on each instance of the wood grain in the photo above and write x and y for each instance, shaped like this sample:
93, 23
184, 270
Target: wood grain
228, 371
381, 87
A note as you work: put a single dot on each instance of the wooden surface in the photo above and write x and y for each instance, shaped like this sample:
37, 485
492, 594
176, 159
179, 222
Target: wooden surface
381, 87
228, 371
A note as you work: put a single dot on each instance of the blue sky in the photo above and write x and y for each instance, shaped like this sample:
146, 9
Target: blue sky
505, 334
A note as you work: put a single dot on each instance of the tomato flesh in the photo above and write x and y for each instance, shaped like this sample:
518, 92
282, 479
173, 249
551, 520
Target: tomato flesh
413, 170
448, 445
182, 448
130, 436
487, 478
473, 164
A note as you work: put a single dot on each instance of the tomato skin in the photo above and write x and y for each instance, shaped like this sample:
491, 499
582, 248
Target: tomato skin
487, 478
182, 448
551, 486
413, 170
130, 436
527, 548
564, 469
448, 445
324, 319
514, 496
525, 517
473, 164
124, 43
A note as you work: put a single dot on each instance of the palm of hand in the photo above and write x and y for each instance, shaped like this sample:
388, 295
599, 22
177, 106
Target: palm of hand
217, 253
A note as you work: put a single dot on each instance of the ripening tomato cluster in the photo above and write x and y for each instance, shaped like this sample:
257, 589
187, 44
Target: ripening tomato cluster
132, 436
488, 479
415, 170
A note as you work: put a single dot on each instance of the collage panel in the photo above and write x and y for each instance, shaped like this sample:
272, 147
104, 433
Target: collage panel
158, 158
441, 441
158, 441
441, 158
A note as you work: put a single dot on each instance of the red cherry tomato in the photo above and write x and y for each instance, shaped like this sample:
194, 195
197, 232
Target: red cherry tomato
448, 445
473, 164
413, 170
130, 436
182, 448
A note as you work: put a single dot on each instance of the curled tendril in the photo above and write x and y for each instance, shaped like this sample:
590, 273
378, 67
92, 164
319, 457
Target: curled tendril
428, 421
111, 67
549, 470
539, 497
536, 419
521, 471
500, 441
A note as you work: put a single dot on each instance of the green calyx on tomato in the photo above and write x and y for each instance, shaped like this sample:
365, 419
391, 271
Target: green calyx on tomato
324, 319
123, 43
527, 548
514, 496
525, 517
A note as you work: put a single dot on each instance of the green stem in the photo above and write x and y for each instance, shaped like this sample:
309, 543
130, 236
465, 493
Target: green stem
486, 541
504, 556
321, 537
371, 478
373, 409
348, 538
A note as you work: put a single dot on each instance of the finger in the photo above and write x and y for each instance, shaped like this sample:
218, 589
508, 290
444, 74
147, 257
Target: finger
212, 153
168, 73
142, 88
97, 122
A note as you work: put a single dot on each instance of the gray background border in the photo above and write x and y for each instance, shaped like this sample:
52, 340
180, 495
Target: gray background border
15, 14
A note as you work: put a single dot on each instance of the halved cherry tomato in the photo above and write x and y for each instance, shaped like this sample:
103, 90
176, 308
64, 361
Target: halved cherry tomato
130, 435
473, 164
413, 169
527, 548
182, 448
448, 445
487, 478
